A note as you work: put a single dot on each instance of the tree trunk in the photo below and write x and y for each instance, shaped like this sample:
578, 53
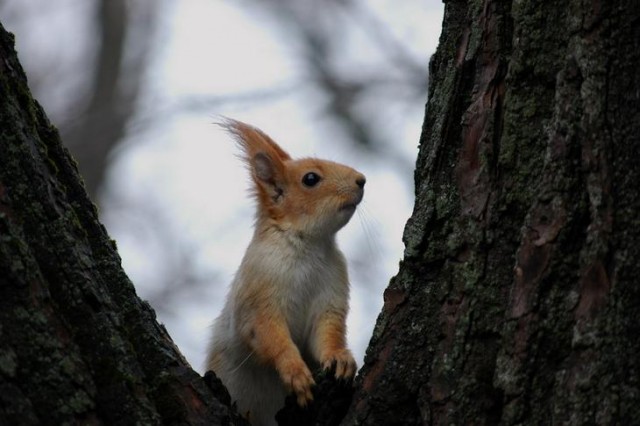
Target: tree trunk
77, 345
518, 301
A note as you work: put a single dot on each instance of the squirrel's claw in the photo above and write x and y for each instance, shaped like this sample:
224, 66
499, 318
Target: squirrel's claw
299, 379
302, 388
344, 363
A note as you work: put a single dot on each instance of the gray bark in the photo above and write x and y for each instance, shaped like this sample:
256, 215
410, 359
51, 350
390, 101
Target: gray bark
517, 301
77, 346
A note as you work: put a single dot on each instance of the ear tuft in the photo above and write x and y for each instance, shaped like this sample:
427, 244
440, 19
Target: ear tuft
253, 140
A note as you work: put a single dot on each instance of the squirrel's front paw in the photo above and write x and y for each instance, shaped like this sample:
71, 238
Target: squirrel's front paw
297, 378
343, 360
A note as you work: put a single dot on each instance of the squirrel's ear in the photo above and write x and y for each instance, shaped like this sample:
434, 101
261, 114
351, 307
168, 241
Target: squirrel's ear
268, 175
264, 157
263, 167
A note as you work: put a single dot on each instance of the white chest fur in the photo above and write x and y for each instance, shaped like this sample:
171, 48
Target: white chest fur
307, 278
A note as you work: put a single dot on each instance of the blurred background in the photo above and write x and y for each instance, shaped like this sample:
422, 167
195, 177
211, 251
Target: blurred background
134, 86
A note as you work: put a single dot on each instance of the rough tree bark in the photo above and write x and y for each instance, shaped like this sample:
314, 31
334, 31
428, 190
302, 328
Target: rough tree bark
518, 301
77, 346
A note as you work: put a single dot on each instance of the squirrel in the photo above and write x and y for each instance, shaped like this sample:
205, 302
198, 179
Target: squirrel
285, 312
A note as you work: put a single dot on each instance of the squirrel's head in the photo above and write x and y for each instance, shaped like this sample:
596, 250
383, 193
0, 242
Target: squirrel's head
310, 196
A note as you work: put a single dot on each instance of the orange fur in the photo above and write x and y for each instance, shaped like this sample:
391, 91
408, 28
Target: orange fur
286, 310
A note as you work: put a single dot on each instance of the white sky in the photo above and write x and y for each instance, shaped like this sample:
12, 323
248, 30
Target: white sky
188, 166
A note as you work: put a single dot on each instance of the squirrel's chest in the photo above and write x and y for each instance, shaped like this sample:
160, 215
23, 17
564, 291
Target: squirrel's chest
303, 282
311, 285
307, 282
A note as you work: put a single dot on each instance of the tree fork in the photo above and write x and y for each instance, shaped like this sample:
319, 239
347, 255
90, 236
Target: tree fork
517, 299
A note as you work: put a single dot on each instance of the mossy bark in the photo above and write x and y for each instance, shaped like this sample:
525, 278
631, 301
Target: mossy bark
77, 346
518, 299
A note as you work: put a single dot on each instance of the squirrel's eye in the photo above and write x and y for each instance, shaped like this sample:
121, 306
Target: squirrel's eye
310, 179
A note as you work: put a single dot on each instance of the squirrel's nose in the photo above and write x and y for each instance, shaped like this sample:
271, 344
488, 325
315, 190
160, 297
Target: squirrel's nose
361, 181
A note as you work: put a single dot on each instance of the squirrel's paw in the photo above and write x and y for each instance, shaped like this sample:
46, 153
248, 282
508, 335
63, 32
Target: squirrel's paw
297, 377
343, 360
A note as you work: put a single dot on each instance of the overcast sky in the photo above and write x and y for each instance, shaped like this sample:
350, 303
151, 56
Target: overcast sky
185, 167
